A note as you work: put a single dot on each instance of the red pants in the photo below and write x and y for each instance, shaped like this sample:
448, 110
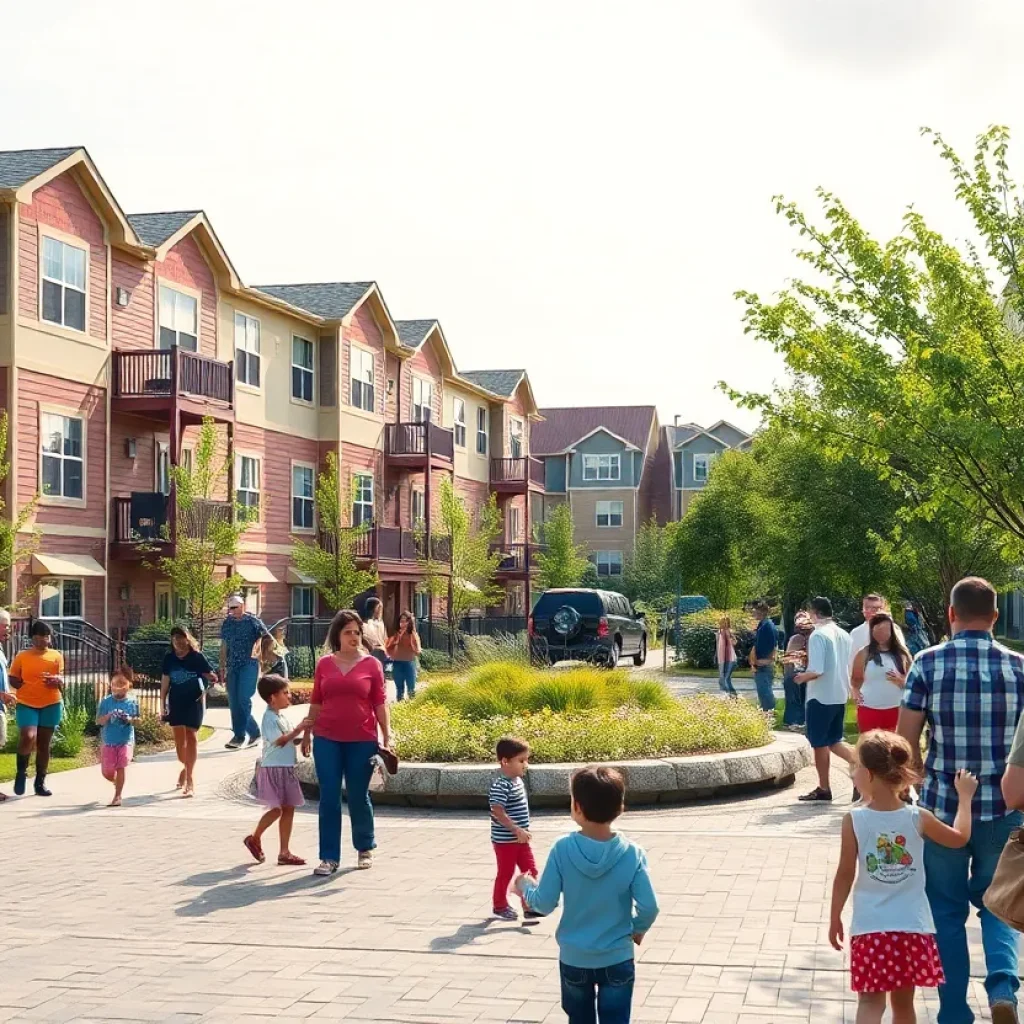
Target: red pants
876, 718
510, 856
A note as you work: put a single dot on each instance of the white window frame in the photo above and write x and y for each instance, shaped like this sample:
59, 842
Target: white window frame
425, 388
417, 497
254, 510
252, 595
162, 466
605, 558
64, 243
459, 421
177, 606
482, 433
606, 510
67, 414
250, 347
311, 498
60, 582
515, 522
359, 500
306, 590
367, 390
304, 371
183, 293
702, 460
611, 464
516, 437
421, 603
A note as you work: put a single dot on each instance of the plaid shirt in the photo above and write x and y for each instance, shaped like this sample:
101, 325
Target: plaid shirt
971, 690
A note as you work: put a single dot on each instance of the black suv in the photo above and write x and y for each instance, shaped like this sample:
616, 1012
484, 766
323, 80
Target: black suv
587, 625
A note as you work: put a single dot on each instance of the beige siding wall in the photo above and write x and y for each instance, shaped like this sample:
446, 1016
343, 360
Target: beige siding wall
468, 464
603, 538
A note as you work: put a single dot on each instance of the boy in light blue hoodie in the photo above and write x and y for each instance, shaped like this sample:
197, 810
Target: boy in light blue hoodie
609, 901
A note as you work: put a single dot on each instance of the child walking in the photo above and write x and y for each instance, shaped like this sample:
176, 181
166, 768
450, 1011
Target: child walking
892, 935
117, 715
510, 823
610, 903
277, 785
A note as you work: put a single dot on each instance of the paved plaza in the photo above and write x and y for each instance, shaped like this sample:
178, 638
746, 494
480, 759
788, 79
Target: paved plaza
155, 912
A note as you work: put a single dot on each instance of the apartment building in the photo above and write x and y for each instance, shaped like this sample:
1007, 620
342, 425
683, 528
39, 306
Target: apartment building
120, 333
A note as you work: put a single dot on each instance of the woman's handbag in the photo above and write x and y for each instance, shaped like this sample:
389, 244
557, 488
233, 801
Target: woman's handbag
1005, 894
390, 759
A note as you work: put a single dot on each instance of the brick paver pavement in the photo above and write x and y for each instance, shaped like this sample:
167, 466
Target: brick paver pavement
155, 912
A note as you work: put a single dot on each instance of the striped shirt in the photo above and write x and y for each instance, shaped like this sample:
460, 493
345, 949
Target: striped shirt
510, 794
971, 690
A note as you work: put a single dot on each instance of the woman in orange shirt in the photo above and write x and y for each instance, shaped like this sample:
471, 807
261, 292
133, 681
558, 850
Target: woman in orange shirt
36, 678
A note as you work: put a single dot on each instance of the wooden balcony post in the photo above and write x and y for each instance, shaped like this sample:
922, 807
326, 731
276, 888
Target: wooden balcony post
173, 447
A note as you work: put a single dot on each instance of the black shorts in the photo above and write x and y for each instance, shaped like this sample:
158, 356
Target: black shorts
185, 704
825, 724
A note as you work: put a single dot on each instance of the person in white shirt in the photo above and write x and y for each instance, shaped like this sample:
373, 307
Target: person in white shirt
828, 688
860, 636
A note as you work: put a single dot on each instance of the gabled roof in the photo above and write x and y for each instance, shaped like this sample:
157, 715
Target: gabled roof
412, 333
499, 382
560, 429
22, 165
331, 300
155, 228
684, 432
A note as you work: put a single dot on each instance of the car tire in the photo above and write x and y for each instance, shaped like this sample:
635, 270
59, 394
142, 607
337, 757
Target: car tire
641, 656
614, 653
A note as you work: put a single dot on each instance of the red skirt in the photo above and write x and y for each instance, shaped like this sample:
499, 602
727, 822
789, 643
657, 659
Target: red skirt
876, 718
886, 961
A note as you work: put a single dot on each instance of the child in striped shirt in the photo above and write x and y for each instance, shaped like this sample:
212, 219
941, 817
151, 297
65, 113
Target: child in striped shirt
510, 824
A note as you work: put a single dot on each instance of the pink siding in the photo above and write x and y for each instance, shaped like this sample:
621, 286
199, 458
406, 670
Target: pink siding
138, 474
186, 265
26, 583
61, 204
35, 389
426, 366
363, 330
515, 407
393, 370
134, 325
141, 604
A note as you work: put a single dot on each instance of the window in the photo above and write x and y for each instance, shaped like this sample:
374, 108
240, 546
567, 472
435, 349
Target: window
186, 460
421, 605
481, 431
459, 407
163, 467
168, 605
247, 488
302, 497
418, 508
247, 350
514, 523
63, 450
302, 602
63, 284
515, 437
60, 599
600, 467
609, 513
362, 499
609, 563
251, 596
422, 397
302, 370
179, 320
362, 371
702, 467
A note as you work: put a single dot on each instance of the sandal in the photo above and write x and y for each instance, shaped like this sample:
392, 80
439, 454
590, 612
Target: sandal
255, 847
289, 859
325, 867
816, 795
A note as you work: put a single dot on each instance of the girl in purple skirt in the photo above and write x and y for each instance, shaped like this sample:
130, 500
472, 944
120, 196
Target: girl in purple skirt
277, 785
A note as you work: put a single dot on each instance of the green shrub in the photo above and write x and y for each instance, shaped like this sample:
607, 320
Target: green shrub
151, 729
84, 696
70, 735
699, 636
434, 661
301, 663
506, 647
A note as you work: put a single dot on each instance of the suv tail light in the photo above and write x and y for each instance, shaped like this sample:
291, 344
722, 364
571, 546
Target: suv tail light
529, 626
602, 626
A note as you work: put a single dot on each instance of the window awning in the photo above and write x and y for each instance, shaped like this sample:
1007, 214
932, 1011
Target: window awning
299, 579
255, 574
66, 565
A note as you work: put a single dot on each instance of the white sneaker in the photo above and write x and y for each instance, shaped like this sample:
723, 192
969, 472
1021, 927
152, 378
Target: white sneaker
325, 867
365, 861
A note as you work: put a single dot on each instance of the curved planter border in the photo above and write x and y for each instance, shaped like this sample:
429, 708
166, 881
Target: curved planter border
667, 780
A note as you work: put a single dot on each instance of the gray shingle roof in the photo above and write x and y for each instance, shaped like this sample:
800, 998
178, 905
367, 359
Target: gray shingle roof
331, 300
155, 228
21, 165
562, 428
498, 382
412, 333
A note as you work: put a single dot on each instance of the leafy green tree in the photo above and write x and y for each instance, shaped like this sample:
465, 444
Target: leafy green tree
329, 559
563, 562
645, 576
17, 542
589, 577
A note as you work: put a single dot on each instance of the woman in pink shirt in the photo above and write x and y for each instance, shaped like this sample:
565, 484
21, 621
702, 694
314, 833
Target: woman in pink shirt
347, 707
725, 655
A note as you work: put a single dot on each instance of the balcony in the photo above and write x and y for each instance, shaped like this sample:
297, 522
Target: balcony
517, 560
414, 445
158, 380
394, 550
140, 524
517, 475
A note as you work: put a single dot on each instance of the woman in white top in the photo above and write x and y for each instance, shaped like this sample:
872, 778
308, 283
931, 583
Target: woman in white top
375, 636
879, 672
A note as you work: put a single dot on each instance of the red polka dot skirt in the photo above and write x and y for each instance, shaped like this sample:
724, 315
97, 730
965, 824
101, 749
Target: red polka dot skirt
886, 961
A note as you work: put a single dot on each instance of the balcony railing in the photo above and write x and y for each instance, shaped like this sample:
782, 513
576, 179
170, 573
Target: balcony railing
522, 470
168, 373
144, 518
390, 544
419, 439
517, 557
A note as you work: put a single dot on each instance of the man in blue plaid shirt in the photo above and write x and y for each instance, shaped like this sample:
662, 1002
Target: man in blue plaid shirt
970, 691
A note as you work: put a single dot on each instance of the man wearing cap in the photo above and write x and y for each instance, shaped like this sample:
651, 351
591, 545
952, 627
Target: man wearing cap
239, 634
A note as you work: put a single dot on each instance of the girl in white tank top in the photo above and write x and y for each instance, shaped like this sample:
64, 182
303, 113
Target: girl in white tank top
892, 941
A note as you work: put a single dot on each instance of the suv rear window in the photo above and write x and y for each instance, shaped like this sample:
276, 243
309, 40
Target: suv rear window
585, 604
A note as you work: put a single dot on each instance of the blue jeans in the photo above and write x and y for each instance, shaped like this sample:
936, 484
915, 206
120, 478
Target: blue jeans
241, 685
954, 880
404, 673
335, 761
796, 698
725, 671
764, 676
611, 987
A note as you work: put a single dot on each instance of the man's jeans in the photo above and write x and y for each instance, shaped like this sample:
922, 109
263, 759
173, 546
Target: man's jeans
241, 686
336, 761
955, 879
796, 699
612, 986
725, 672
764, 676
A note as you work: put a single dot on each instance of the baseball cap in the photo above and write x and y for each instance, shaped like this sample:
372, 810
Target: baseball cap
235, 601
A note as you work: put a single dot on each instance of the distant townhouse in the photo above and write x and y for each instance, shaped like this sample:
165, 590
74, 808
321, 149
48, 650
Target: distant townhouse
600, 461
120, 333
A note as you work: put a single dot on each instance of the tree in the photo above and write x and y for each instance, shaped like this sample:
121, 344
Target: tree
563, 562
645, 576
17, 542
206, 531
330, 558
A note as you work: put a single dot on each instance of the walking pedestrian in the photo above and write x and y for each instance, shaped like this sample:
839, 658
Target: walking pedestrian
828, 688
794, 715
878, 676
725, 656
375, 634
403, 650
240, 634
970, 692
117, 715
510, 824
7, 698
762, 658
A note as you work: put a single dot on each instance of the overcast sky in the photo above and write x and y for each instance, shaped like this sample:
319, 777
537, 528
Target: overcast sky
573, 187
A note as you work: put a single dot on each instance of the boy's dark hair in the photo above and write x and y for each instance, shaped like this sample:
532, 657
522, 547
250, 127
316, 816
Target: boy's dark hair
600, 793
40, 628
511, 746
974, 598
269, 685
822, 607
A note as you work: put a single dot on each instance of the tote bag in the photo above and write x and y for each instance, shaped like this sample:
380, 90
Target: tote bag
1005, 896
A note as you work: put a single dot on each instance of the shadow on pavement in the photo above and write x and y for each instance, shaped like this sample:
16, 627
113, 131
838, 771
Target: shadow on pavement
244, 893
467, 934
